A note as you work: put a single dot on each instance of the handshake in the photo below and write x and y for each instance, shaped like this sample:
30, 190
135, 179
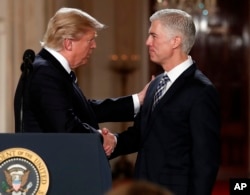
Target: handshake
109, 141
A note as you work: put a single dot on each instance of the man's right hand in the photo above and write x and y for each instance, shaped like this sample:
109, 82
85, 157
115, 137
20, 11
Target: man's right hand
109, 141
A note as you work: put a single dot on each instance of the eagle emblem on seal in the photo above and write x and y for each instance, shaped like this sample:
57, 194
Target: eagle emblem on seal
16, 180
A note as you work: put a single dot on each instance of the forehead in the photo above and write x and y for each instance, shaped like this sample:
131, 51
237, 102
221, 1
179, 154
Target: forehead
87, 34
90, 33
156, 27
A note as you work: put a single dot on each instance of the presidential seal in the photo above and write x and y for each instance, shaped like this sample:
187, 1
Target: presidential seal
22, 172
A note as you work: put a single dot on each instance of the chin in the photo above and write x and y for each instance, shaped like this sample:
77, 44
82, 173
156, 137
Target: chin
153, 59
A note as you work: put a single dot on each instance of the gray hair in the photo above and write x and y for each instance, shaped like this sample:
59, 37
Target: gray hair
177, 22
68, 23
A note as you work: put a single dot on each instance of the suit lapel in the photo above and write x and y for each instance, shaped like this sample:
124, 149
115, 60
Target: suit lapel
149, 116
146, 111
151, 92
86, 105
176, 86
77, 91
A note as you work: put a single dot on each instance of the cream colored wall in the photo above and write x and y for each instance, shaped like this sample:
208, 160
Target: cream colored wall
23, 22
4, 71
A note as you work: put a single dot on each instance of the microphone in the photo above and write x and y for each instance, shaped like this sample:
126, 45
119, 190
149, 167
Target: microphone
26, 68
28, 58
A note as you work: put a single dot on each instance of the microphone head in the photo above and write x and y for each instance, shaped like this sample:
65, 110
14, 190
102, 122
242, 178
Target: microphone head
28, 58
29, 55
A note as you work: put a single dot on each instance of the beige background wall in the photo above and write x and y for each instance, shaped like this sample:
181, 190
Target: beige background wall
22, 25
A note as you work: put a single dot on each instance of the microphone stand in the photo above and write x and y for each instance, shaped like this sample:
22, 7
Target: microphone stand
26, 68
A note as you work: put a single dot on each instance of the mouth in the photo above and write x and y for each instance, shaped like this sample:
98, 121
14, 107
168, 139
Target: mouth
150, 51
88, 56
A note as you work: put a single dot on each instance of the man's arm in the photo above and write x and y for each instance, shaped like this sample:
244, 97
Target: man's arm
205, 136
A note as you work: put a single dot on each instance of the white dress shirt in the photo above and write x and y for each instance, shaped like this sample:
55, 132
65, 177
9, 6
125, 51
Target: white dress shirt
177, 71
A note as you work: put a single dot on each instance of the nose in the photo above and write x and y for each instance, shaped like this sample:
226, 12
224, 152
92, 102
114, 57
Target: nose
93, 44
148, 42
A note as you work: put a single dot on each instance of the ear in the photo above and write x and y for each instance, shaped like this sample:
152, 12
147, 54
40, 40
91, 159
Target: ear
177, 41
67, 44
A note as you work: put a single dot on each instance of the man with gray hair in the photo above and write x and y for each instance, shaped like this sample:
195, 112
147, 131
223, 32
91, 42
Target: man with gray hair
177, 131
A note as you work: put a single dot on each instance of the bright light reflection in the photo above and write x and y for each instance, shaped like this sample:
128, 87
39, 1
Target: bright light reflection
203, 24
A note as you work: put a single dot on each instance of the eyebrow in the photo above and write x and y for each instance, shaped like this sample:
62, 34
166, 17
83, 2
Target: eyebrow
152, 33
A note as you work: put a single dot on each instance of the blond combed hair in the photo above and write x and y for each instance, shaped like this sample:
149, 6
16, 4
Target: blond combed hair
68, 23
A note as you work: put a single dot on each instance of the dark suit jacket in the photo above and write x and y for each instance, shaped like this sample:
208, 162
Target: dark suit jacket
52, 103
178, 143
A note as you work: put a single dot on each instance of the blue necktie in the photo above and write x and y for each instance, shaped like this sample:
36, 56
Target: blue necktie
159, 90
73, 76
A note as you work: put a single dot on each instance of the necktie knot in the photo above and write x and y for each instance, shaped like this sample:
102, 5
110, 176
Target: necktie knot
159, 90
73, 76
163, 80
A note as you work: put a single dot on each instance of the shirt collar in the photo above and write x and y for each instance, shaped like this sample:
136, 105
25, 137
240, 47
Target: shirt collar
179, 69
60, 58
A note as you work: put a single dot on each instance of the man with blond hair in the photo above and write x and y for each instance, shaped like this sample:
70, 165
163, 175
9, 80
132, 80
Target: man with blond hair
48, 100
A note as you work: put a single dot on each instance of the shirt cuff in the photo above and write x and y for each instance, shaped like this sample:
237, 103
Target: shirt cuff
136, 104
